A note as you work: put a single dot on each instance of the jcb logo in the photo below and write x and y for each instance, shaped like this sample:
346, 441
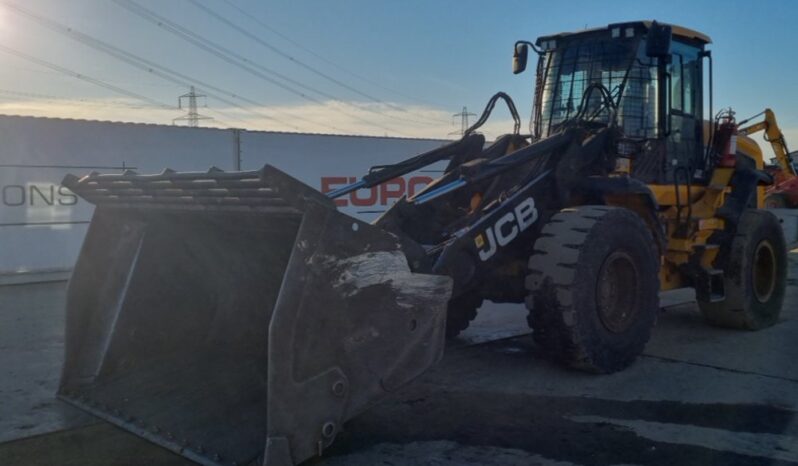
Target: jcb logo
506, 228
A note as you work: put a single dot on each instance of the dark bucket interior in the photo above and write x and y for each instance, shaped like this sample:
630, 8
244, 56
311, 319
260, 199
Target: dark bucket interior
167, 325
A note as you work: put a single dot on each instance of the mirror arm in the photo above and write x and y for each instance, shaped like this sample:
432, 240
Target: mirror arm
531, 45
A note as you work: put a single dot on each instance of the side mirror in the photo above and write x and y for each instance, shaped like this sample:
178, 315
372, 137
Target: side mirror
658, 43
519, 57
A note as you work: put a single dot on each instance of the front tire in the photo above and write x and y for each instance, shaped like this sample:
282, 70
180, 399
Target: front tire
755, 275
593, 287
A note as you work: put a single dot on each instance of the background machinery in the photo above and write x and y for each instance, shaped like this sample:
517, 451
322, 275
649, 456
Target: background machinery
784, 191
238, 318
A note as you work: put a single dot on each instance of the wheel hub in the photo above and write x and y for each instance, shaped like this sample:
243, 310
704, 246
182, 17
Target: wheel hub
764, 271
617, 291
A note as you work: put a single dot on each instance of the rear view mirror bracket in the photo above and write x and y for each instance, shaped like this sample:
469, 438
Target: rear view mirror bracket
521, 53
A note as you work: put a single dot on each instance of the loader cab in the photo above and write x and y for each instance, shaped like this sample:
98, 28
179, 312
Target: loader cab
644, 76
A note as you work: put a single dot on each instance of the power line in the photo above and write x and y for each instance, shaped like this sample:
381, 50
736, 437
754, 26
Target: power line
83, 77
149, 66
296, 61
278, 51
236, 60
186, 35
319, 56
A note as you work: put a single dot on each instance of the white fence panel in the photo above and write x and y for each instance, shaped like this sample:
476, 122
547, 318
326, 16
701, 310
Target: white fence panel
42, 224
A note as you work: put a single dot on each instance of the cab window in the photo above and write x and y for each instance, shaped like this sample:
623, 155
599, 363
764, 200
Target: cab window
684, 71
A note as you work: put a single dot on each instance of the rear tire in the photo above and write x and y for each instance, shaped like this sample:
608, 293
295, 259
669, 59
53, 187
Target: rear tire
755, 275
776, 201
593, 287
461, 311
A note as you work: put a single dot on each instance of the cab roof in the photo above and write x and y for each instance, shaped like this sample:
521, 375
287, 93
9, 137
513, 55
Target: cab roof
678, 31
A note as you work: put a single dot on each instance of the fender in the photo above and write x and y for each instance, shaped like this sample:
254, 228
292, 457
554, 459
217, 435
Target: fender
600, 187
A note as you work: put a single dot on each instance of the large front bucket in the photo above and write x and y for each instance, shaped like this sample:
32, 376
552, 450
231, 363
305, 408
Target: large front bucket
238, 318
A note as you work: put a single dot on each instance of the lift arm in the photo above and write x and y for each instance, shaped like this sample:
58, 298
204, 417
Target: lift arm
776, 139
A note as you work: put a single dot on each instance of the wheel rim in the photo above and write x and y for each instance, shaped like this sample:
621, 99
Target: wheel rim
764, 271
616, 293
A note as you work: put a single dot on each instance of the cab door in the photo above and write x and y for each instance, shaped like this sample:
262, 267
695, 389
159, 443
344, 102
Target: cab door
684, 126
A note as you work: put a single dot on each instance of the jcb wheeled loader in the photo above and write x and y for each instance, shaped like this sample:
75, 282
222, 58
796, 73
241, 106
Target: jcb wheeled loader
238, 318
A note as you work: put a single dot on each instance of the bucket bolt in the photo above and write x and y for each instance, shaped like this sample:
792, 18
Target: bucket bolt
328, 429
339, 388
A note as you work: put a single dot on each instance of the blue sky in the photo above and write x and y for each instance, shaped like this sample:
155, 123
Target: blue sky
422, 60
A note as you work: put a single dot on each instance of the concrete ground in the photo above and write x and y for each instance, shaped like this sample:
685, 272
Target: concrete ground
698, 396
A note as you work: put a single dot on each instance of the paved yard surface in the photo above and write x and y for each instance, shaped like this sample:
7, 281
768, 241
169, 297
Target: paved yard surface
699, 396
